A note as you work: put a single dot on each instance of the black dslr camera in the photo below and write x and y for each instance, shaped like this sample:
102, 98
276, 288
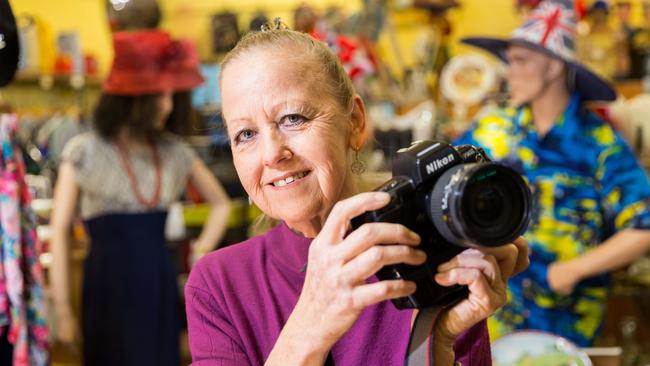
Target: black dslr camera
454, 198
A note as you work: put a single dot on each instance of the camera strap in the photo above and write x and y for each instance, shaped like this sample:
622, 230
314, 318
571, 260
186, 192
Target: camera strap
420, 350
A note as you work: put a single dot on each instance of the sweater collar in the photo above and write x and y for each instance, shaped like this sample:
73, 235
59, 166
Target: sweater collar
292, 250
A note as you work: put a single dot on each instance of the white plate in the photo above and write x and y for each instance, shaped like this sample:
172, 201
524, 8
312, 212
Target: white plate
537, 348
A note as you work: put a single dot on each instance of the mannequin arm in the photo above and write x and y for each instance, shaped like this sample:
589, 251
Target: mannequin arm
213, 193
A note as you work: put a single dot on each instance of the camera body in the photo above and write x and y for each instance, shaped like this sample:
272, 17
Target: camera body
454, 198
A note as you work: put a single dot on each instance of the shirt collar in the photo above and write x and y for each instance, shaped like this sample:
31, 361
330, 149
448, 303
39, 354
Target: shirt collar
565, 125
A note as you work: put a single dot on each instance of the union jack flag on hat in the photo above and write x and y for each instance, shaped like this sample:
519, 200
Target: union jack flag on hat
551, 25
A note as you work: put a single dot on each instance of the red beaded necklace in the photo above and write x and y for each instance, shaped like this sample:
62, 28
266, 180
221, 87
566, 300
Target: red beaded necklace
124, 157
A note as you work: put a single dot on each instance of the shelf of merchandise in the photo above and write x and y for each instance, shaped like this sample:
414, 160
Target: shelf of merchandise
42, 94
47, 81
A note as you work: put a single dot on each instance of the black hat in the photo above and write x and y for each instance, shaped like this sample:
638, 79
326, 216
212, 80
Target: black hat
9, 47
550, 29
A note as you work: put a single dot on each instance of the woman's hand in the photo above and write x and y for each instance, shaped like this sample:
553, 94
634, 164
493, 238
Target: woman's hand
522, 256
335, 291
485, 272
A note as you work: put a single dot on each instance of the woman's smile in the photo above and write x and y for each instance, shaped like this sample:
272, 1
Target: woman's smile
289, 180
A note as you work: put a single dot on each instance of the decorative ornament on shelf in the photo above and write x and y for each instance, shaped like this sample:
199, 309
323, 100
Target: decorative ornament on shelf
466, 81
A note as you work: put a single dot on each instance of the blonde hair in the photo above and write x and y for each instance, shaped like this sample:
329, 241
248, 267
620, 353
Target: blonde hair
337, 81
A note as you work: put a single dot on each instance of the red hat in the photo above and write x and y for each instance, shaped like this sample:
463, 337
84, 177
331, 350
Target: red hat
140, 63
183, 65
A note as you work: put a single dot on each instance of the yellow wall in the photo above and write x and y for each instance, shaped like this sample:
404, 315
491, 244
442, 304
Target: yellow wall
478, 17
474, 17
189, 18
88, 17
186, 18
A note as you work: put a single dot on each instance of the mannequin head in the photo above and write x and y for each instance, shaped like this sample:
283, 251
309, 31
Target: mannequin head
532, 74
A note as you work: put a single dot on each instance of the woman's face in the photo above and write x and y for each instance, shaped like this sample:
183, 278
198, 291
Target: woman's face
290, 139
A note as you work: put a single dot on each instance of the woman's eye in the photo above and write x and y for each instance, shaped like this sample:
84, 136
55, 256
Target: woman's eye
293, 120
244, 135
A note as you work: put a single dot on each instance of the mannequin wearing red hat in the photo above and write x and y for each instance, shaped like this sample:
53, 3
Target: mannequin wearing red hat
123, 176
592, 198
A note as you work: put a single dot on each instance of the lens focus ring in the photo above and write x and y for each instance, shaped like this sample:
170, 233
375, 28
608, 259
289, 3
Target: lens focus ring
482, 204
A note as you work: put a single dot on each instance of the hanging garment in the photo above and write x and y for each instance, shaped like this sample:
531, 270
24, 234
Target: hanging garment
22, 308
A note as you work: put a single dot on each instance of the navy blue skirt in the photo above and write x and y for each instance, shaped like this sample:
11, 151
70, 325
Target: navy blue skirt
130, 299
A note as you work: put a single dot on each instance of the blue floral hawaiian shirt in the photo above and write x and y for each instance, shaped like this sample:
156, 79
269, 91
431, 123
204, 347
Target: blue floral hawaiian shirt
586, 185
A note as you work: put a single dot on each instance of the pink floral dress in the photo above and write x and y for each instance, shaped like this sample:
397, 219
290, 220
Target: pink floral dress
22, 308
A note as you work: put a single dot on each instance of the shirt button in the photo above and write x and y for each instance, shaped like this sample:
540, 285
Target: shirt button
527, 283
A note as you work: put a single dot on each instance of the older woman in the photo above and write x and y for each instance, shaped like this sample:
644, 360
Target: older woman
305, 292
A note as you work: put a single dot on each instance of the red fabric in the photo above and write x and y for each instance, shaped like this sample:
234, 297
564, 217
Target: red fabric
184, 65
581, 8
150, 62
551, 22
139, 63
346, 47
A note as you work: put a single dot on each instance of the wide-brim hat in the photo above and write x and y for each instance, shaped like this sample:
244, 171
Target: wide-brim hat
550, 29
9, 46
140, 63
184, 66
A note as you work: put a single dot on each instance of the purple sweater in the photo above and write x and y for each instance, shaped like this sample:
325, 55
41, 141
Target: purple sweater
238, 299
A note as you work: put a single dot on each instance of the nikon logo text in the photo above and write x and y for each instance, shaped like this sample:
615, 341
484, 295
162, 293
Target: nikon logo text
439, 163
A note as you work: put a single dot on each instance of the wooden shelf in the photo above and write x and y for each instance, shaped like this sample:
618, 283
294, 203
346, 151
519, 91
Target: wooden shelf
47, 82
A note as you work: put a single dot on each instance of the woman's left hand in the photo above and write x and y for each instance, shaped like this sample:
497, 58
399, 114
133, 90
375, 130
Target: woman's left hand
485, 272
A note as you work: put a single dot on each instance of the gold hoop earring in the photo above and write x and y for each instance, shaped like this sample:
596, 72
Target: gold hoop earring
357, 166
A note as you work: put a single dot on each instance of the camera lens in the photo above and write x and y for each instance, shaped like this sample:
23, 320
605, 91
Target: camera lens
484, 204
480, 204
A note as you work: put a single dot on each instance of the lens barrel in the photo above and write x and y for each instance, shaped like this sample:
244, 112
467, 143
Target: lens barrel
480, 204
